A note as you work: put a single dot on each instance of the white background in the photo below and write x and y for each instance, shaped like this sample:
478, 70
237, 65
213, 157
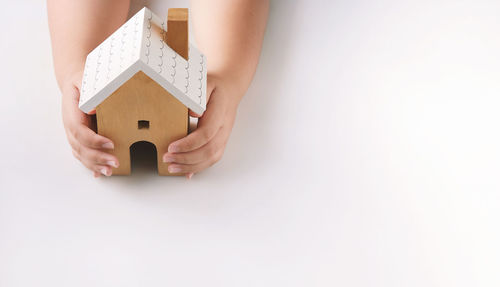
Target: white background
365, 153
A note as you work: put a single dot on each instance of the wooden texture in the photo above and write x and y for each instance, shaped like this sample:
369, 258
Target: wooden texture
141, 99
177, 31
142, 110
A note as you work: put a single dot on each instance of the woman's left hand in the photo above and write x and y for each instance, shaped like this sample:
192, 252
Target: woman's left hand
205, 146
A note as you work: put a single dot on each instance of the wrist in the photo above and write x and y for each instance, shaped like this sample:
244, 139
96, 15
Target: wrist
69, 75
233, 88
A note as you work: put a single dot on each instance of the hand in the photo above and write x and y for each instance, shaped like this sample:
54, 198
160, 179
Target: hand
205, 146
88, 147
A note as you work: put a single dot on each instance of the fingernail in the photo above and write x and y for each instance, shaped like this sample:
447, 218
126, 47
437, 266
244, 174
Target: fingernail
112, 163
189, 175
173, 148
104, 171
174, 169
108, 145
168, 159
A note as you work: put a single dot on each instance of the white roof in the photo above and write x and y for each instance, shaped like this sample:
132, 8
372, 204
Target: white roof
138, 46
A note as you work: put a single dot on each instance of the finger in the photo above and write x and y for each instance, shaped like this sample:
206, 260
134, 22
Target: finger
189, 175
92, 157
87, 137
193, 168
208, 125
96, 174
194, 115
92, 112
89, 165
104, 170
195, 156
96, 168
98, 157
202, 135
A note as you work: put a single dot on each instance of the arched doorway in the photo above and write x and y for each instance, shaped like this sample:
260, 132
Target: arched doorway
143, 157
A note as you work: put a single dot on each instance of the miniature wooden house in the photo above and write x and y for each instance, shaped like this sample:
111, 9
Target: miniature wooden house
141, 81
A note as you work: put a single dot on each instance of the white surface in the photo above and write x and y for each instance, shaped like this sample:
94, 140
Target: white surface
378, 167
138, 46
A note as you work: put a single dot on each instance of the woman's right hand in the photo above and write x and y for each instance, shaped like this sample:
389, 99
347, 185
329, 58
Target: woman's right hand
88, 147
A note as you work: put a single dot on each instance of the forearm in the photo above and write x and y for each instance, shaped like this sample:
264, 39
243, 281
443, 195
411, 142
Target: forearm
77, 27
230, 34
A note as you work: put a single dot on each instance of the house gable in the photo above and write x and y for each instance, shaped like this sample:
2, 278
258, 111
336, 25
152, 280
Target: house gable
141, 99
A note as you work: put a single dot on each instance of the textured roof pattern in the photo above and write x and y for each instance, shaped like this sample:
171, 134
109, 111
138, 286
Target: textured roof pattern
138, 45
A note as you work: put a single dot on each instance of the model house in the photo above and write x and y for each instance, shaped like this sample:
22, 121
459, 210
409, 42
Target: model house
141, 81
